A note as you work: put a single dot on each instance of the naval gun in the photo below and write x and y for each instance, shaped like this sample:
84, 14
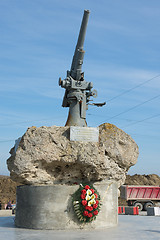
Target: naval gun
78, 91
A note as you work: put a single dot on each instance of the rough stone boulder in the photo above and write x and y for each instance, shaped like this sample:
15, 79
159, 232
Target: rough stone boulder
45, 155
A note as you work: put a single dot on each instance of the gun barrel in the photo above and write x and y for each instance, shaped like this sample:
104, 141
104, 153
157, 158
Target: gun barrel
83, 29
77, 62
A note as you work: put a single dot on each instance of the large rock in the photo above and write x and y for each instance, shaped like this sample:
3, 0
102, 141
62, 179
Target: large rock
45, 155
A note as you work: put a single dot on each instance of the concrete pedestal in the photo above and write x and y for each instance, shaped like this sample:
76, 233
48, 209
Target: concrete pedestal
50, 207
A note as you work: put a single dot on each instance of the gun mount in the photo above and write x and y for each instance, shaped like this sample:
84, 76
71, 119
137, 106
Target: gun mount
78, 91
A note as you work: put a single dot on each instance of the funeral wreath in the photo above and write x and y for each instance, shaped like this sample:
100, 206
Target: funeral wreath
86, 203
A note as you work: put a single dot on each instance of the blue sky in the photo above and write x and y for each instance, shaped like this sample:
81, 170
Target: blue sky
121, 59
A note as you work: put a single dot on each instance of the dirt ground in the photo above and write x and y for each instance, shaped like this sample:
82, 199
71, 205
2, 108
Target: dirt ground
7, 190
8, 187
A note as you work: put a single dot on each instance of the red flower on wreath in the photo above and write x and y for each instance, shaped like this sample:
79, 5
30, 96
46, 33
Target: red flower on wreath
85, 213
83, 196
87, 187
84, 202
92, 190
90, 215
97, 201
89, 208
95, 212
95, 206
83, 191
96, 195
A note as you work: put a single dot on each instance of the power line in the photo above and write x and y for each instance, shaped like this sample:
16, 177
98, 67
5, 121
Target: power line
9, 140
129, 90
145, 119
11, 124
144, 135
125, 119
109, 100
154, 116
27, 121
134, 107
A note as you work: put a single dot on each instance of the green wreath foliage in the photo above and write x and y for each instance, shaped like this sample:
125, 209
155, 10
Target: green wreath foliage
86, 203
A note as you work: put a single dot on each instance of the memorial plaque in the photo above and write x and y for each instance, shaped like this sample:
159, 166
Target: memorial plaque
84, 134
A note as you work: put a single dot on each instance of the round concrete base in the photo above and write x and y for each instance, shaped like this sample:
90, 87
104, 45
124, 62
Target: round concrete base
50, 207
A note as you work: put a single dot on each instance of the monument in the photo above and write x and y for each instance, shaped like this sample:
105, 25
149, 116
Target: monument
71, 174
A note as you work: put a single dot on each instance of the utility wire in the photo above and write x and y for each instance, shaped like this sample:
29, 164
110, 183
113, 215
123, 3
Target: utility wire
133, 107
10, 124
129, 90
145, 119
145, 135
109, 100
9, 140
154, 116
126, 119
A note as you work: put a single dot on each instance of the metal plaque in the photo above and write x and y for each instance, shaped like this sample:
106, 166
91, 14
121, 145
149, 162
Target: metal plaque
84, 134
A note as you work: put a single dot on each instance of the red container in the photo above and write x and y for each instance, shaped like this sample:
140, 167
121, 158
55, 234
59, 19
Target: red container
140, 196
